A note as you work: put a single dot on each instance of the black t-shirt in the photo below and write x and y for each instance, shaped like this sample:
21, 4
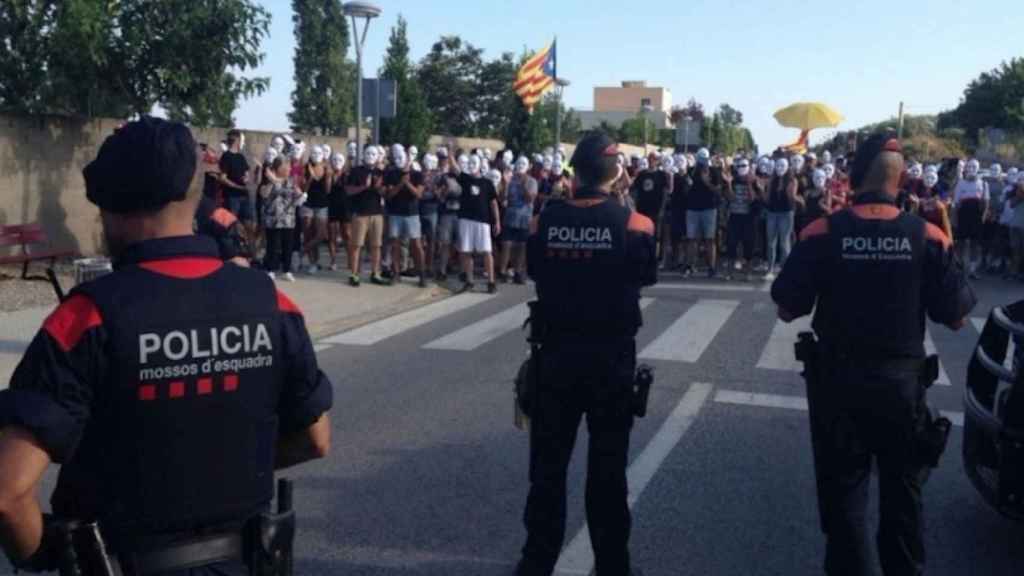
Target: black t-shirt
477, 194
650, 196
404, 203
317, 189
235, 167
367, 203
701, 196
680, 194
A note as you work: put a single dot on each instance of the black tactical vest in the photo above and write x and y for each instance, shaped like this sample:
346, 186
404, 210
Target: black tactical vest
871, 303
185, 428
583, 281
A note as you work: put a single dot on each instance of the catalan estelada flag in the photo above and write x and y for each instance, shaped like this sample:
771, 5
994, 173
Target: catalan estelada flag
537, 76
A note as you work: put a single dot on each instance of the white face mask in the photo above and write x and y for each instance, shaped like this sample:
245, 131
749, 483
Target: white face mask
298, 151
474, 165
549, 161
396, 148
401, 161
353, 149
643, 165
781, 167
826, 156
507, 158
277, 143
495, 177
370, 156
931, 179
667, 164
241, 142
464, 163
414, 153
819, 179
743, 169
488, 155
338, 162
915, 172
680, 161
703, 156
830, 171
557, 169
317, 155
971, 169
996, 170
797, 163
522, 165
430, 162
328, 151
765, 166
621, 160
269, 156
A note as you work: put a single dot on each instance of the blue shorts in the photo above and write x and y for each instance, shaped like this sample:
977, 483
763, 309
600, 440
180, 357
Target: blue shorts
404, 227
240, 206
428, 224
701, 224
515, 235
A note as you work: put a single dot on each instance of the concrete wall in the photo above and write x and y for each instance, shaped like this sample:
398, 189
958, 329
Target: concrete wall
41, 162
629, 98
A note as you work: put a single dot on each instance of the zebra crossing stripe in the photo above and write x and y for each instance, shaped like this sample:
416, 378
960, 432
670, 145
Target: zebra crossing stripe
929, 348
778, 353
798, 403
383, 329
321, 347
707, 287
479, 333
691, 334
979, 323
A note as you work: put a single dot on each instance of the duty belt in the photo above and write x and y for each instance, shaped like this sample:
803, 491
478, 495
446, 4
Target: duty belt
180, 556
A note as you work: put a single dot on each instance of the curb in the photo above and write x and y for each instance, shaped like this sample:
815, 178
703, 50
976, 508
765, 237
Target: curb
330, 328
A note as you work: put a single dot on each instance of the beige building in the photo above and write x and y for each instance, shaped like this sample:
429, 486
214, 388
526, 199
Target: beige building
632, 96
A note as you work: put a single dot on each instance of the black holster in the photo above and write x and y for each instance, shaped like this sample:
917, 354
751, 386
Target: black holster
642, 382
72, 548
270, 537
528, 377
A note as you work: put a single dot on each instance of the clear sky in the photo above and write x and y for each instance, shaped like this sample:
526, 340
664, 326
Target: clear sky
861, 57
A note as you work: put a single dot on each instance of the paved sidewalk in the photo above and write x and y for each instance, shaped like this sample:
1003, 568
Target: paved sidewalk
328, 304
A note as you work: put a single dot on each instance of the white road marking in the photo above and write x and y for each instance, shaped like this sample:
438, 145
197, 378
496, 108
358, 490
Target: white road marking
979, 323
707, 287
578, 558
793, 403
929, 348
321, 347
383, 329
691, 334
778, 353
479, 333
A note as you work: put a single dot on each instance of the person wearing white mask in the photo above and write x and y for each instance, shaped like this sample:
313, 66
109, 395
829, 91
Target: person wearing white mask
352, 151
277, 143
430, 203
709, 185
622, 184
403, 189
234, 179
782, 201
678, 206
365, 192
970, 199
450, 193
314, 212
339, 216
520, 195
478, 210
740, 231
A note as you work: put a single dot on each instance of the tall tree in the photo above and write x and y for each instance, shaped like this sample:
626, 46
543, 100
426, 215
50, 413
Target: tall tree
449, 76
496, 99
993, 100
116, 58
413, 121
729, 116
693, 109
323, 100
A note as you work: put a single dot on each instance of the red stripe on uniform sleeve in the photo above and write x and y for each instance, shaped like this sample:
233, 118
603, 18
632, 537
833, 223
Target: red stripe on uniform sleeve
72, 319
183, 268
285, 304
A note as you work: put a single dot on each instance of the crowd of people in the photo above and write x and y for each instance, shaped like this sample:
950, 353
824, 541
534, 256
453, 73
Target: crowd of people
431, 215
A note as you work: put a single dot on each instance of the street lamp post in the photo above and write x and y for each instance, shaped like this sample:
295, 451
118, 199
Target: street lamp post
646, 108
367, 11
686, 132
560, 84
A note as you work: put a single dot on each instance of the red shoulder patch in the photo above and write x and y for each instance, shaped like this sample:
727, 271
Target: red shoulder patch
936, 234
285, 304
71, 320
640, 223
817, 228
184, 268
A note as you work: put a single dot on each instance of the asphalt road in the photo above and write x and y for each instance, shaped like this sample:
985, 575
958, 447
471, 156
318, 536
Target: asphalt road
428, 476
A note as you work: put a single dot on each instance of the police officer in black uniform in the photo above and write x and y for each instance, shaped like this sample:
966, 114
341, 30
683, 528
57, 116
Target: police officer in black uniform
225, 229
872, 273
168, 391
589, 257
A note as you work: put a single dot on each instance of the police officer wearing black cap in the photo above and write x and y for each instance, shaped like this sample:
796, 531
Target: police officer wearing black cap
168, 392
872, 274
589, 257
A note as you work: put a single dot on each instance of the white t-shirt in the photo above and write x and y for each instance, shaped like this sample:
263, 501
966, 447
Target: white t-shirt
970, 190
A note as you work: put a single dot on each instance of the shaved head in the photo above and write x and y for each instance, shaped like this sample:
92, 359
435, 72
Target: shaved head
884, 174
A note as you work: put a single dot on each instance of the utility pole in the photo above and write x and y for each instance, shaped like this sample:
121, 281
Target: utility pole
560, 84
899, 124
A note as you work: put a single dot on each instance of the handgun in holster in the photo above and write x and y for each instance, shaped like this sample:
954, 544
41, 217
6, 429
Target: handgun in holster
808, 351
270, 537
72, 548
528, 377
642, 382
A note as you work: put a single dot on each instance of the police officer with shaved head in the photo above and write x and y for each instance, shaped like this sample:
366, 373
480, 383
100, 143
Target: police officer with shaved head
168, 392
589, 257
872, 274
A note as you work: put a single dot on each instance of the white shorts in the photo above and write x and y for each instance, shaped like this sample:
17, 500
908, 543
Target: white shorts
474, 237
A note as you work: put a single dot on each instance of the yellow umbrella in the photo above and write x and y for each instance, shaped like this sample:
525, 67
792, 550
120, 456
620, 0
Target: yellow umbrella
808, 116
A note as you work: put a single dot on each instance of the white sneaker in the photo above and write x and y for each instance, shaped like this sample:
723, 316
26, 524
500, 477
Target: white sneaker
769, 277
334, 267
737, 265
289, 277
272, 275
312, 270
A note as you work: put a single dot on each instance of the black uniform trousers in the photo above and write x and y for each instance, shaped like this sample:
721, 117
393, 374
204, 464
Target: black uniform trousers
876, 411
580, 378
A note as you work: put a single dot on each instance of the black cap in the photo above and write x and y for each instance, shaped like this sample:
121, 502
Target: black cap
142, 167
868, 151
591, 149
